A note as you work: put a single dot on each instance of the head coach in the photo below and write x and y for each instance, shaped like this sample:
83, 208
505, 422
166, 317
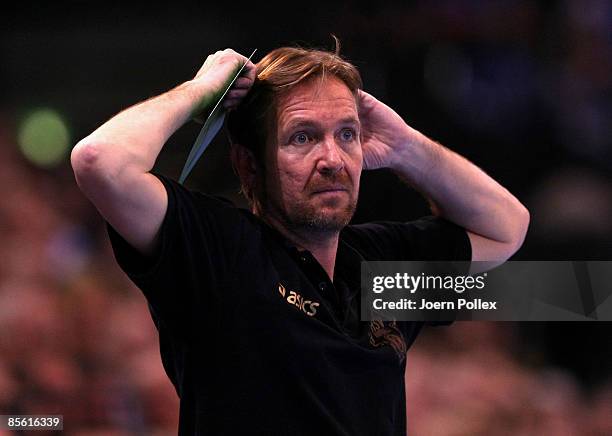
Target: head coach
258, 311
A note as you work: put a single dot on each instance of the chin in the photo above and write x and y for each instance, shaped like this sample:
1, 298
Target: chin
327, 224
316, 216
329, 219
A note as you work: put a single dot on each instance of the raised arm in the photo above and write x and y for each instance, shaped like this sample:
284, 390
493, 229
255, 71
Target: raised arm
112, 165
461, 192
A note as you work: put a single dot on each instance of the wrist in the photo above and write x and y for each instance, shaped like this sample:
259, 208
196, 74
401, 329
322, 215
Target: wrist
197, 94
405, 150
416, 158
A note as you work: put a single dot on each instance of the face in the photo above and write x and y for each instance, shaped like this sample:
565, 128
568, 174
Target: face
314, 158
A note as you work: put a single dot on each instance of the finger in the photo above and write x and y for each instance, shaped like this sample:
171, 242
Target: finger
363, 95
231, 103
250, 70
237, 93
242, 83
365, 103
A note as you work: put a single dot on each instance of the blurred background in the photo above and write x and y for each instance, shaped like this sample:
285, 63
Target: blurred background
521, 88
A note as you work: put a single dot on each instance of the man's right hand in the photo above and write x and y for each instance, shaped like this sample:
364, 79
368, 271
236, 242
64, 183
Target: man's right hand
112, 165
216, 74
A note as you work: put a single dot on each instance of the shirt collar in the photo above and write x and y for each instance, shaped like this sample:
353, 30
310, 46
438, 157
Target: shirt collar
348, 259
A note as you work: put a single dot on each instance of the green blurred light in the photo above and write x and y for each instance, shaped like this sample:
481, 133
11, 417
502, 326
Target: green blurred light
43, 137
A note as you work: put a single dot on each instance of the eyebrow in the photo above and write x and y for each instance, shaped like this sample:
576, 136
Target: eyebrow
350, 120
303, 122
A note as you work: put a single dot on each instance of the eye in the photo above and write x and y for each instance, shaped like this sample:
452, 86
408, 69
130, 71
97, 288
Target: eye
300, 138
347, 135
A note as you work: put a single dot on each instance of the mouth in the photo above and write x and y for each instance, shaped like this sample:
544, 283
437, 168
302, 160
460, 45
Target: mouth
330, 190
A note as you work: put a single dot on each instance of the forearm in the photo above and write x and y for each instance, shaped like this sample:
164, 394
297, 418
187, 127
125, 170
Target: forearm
462, 192
134, 138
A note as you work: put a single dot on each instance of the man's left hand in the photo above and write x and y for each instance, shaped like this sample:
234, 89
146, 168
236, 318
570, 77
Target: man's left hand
384, 133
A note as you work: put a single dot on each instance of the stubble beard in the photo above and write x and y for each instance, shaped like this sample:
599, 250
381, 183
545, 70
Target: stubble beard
309, 217
305, 217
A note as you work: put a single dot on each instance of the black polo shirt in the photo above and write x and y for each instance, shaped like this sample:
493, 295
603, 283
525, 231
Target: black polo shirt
255, 337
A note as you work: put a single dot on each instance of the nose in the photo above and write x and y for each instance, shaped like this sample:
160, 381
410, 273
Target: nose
330, 161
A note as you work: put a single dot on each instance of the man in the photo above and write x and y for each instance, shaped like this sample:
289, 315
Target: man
258, 312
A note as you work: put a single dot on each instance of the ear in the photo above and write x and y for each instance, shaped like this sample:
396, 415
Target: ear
245, 166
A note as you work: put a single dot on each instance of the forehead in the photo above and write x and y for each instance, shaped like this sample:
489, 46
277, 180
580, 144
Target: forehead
316, 98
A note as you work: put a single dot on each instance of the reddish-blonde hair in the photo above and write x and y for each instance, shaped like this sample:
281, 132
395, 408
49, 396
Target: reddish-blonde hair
277, 73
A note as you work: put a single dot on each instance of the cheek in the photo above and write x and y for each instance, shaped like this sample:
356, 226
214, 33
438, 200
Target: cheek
359, 157
355, 163
292, 178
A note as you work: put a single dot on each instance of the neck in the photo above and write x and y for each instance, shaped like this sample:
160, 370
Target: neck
322, 244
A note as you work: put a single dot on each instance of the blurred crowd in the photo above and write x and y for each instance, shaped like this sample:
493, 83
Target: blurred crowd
470, 379
76, 338
522, 88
